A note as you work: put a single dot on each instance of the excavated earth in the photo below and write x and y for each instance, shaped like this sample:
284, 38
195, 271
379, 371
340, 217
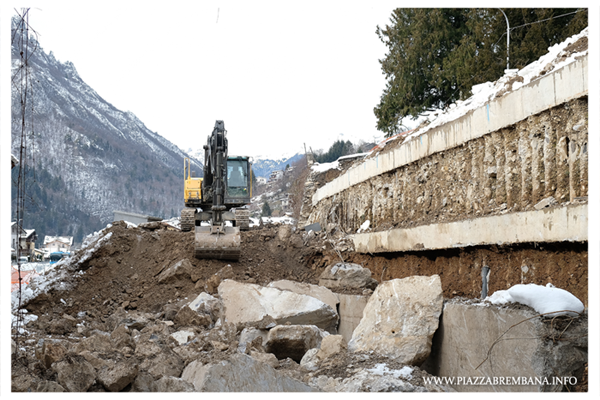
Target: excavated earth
122, 275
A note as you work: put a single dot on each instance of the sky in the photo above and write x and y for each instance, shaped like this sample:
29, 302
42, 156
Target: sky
279, 74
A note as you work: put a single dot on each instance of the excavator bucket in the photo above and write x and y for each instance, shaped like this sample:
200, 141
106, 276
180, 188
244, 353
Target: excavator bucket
223, 244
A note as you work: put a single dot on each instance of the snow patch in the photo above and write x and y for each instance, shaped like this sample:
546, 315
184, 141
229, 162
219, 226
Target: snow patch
548, 300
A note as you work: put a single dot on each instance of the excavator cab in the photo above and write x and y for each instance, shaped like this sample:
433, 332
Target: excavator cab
238, 181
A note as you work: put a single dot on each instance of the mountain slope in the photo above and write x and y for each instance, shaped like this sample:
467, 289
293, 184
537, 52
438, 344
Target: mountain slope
89, 158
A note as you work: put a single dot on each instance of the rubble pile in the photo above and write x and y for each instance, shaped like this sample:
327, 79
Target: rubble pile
135, 311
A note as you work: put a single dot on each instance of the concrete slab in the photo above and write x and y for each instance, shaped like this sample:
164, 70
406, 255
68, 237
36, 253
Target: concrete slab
568, 223
351, 311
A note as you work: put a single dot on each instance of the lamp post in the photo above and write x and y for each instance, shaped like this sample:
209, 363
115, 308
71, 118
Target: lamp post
507, 37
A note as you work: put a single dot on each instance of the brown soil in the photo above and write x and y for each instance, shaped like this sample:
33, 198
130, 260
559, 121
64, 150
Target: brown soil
125, 270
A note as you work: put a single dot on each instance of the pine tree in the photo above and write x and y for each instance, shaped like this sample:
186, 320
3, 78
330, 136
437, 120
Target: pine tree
266, 210
435, 56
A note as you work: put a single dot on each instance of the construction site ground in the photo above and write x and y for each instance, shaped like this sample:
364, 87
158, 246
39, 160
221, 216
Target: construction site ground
122, 274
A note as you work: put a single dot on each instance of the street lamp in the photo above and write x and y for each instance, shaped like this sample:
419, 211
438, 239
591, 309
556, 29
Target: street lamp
507, 37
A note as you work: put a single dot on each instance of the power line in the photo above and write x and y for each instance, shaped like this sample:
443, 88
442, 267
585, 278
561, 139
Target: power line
537, 22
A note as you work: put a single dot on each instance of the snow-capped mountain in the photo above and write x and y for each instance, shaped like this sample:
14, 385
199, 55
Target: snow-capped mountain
90, 158
264, 166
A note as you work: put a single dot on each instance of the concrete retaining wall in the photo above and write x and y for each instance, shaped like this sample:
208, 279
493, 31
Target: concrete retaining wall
467, 333
526, 147
566, 84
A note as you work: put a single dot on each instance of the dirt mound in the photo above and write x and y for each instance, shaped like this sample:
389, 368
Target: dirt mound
125, 272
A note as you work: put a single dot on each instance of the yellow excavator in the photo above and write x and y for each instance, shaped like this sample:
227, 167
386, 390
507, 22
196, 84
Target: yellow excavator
215, 199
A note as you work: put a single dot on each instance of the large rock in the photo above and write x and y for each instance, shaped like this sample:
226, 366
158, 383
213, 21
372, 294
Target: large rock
400, 319
347, 275
50, 352
74, 373
207, 304
293, 341
252, 338
172, 384
240, 373
166, 363
132, 320
244, 302
49, 386
121, 337
99, 342
117, 376
318, 292
180, 270
188, 317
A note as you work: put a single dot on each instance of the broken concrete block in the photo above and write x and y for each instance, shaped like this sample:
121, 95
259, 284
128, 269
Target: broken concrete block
74, 373
400, 319
318, 292
180, 270
244, 302
240, 373
528, 350
293, 341
347, 275
172, 384
115, 377
351, 312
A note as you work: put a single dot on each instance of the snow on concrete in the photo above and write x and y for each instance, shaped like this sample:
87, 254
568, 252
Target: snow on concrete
548, 300
364, 227
487, 91
316, 167
382, 369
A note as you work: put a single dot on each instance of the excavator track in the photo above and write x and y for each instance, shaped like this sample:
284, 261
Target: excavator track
188, 219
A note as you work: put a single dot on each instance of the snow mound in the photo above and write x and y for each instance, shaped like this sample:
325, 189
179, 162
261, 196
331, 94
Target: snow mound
548, 300
325, 167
